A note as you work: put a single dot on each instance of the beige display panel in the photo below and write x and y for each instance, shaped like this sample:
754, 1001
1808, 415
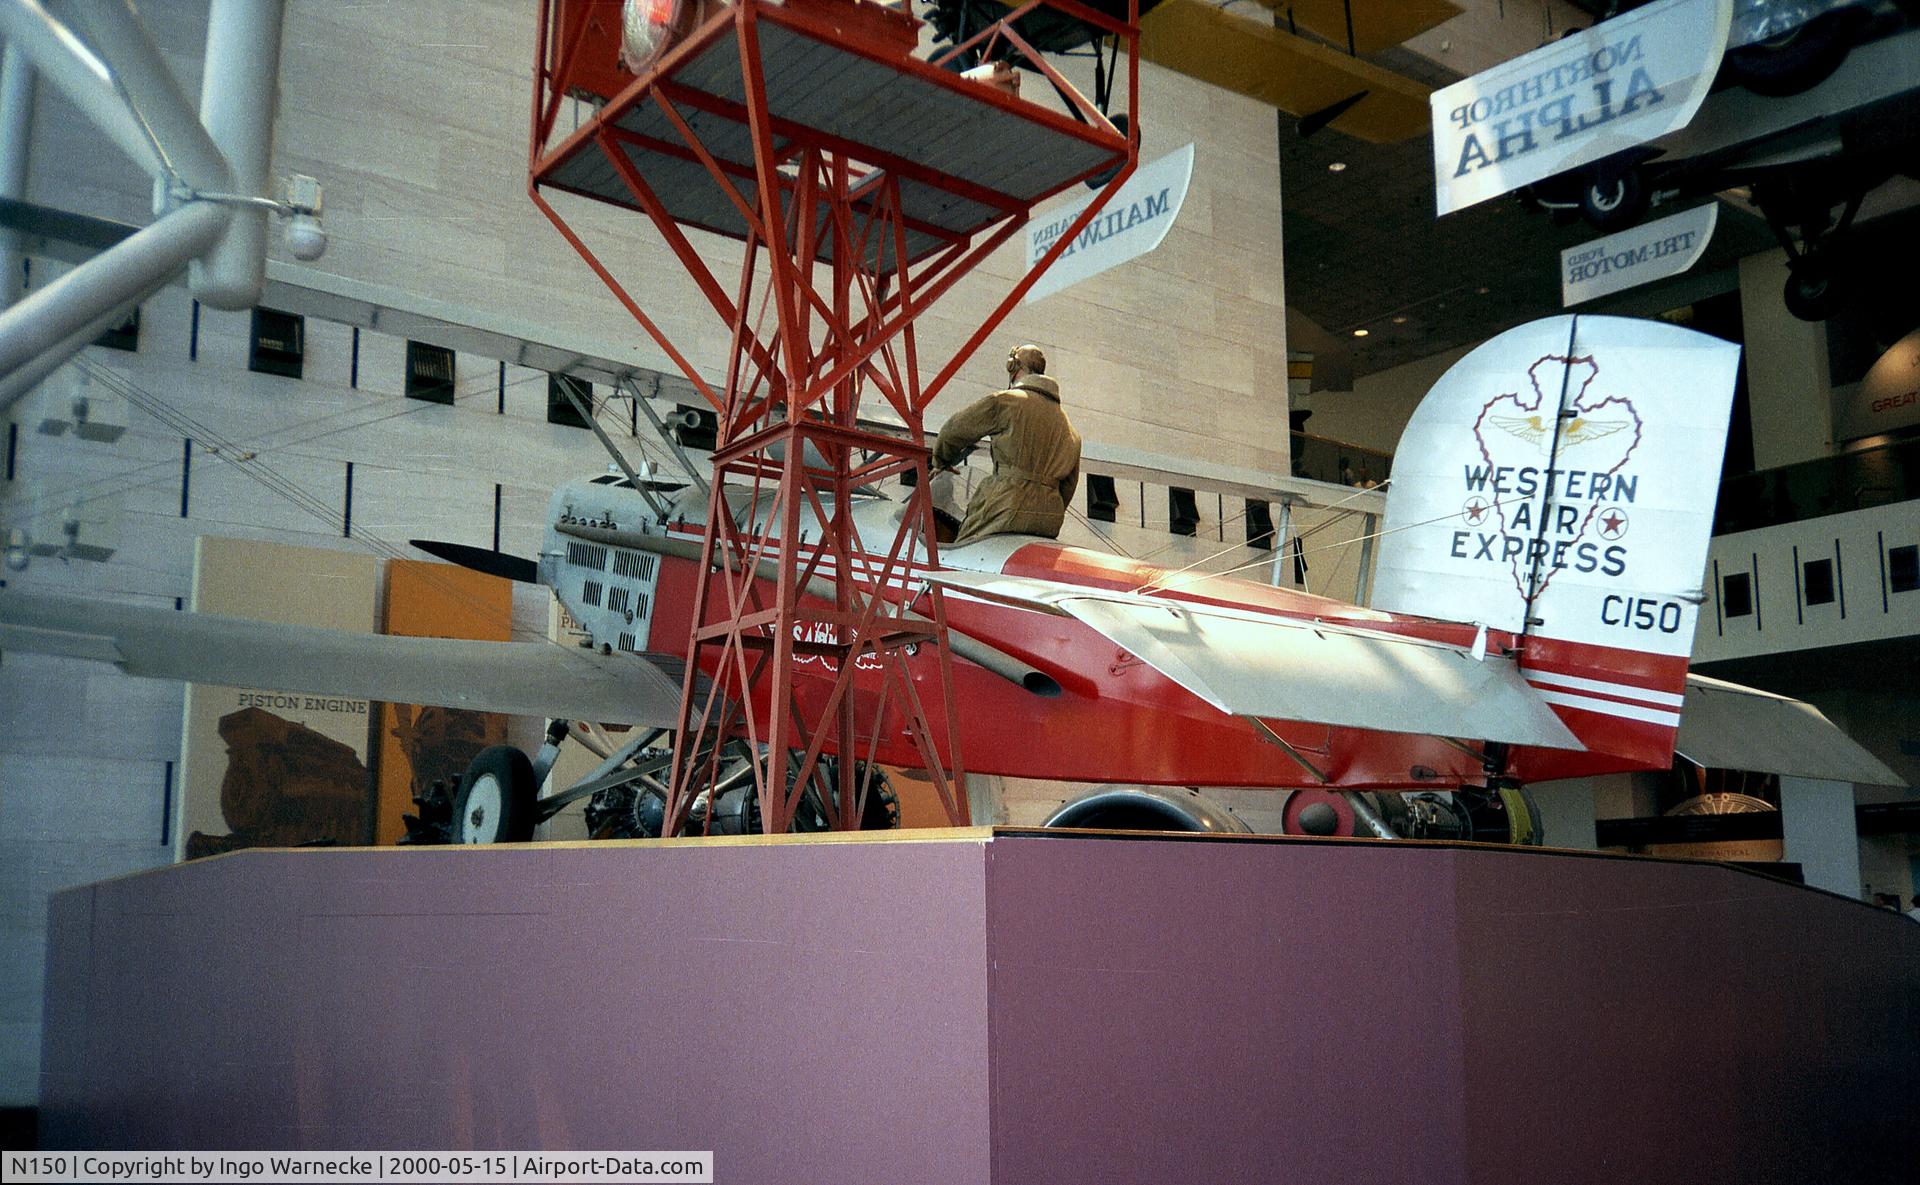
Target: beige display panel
264, 768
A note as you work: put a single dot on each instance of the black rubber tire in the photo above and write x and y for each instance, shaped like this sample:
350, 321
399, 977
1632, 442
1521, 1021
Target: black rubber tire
1813, 291
1614, 196
1797, 60
510, 816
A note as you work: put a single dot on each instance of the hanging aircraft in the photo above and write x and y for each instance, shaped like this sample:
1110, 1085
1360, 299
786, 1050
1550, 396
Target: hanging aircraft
1308, 58
1535, 601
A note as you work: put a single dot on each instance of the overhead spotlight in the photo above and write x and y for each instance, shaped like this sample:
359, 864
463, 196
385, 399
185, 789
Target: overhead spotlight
1338, 166
1400, 320
1359, 333
306, 236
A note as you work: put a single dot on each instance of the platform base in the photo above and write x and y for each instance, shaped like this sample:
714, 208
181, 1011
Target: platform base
1012, 1007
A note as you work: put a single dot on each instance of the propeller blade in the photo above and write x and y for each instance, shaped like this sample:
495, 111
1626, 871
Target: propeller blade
480, 559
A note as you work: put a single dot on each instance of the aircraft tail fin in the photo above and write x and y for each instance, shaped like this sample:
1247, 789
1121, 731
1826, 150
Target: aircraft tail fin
1558, 484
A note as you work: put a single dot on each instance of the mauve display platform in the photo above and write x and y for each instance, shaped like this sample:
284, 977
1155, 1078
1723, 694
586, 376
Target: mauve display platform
973, 1006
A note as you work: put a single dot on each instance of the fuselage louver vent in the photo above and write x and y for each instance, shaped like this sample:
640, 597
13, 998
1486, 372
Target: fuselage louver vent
628, 644
619, 600
587, 555
590, 592
633, 565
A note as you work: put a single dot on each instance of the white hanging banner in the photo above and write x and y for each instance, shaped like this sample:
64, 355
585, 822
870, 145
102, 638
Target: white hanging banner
1133, 224
1638, 255
1623, 82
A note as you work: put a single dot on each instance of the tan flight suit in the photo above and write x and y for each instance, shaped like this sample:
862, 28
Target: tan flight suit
1036, 460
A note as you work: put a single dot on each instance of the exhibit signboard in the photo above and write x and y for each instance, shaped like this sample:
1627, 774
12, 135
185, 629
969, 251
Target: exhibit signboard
1886, 399
1638, 255
263, 768
1572, 102
419, 745
1134, 223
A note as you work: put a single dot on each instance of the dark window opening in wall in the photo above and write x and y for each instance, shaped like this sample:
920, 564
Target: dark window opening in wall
1183, 511
1259, 525
1818, 577
696, 427
1103, 501
429, 373
1736, 595
279, 343
560, 409
124, 336
1903, 568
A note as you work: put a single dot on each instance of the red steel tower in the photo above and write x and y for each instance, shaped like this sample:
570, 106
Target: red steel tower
864, 178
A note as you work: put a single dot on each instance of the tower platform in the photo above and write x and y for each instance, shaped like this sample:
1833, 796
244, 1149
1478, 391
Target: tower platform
974, 1006
966, 155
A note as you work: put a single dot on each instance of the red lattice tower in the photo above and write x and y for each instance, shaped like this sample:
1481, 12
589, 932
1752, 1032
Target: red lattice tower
864, 182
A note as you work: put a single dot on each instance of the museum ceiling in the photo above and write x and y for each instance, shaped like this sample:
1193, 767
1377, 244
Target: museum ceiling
1364, 250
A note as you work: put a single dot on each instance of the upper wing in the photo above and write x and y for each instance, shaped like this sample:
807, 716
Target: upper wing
1260, 666
1254, 58
1727, 726
518, 678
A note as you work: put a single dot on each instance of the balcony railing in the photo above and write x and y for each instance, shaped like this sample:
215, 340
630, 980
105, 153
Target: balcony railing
1318, 458
1876, 476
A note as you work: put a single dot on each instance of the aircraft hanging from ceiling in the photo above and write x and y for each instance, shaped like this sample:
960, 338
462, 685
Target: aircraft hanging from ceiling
1534, 609
1301, 56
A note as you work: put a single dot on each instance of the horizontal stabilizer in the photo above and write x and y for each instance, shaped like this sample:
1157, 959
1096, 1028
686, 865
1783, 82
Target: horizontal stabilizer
1727, 726
518, 678
1278, 668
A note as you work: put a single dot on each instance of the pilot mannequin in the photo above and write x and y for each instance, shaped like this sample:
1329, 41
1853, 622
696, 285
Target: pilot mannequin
1036, 453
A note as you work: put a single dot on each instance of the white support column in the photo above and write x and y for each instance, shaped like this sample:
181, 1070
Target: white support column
16, 135
1821, 835
238, 92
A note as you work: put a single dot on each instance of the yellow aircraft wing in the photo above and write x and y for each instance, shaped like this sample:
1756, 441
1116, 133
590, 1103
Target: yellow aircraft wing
1290, 72
1377, 24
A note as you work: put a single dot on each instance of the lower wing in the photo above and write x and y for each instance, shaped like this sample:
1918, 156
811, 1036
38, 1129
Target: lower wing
518, 678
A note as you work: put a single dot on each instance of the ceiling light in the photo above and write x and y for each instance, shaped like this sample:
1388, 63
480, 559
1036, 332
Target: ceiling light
1338, 166
1483, 290
1400, 320
1359, 333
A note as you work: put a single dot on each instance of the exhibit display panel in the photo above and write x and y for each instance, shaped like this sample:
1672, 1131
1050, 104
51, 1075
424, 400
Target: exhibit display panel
1004, 1006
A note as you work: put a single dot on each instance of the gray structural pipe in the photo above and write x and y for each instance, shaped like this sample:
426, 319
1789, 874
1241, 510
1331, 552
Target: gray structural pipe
120, 81
14, 385
115, 34
64, 60
36, 330
16, 138
237, 99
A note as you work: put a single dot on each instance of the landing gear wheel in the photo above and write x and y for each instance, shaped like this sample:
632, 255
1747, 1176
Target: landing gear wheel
1813, 291
495, 803
1797, 60
1614, 196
